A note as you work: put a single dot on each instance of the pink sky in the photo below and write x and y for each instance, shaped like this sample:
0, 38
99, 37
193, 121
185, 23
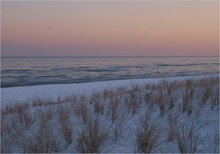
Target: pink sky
143, 28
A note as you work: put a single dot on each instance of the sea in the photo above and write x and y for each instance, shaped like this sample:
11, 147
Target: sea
27, 71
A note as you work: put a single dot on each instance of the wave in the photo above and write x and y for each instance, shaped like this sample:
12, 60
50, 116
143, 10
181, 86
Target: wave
62, 71
192, 64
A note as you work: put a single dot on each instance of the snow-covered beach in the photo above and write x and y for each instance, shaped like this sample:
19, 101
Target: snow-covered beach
28, 93
180, 114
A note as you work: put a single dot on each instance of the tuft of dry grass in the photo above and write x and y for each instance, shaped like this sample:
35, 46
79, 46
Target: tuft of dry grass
113, 108
98, 105
70, 98
161, 97
10, 132
214, 86
107, 93
118, 125
40, 142
25, 118
131, 101
148, 134
66, 128
216, 98
67, 132
148, 96
172, 117
206, 93
14, 108
187, 97
38, 102
81, 108
9, 127
43, 140
92, 137
187, 136
170, 94
63, 113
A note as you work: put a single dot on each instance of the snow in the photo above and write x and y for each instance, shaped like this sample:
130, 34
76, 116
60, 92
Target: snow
126, 121
28, 93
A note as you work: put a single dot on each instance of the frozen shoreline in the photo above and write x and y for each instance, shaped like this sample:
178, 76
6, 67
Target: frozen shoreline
28, 93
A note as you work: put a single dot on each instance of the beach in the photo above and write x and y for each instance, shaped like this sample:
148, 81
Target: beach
110, 76
116, 113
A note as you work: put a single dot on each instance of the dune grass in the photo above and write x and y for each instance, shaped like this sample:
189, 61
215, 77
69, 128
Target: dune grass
88, 123
147, 134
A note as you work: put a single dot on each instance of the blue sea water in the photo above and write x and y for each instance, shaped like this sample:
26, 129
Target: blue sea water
51, 70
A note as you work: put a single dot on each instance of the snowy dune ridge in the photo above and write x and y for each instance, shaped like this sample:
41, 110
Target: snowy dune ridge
53, 91
142, 115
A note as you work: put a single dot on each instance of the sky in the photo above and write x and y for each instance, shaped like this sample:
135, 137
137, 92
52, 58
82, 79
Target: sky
110, 28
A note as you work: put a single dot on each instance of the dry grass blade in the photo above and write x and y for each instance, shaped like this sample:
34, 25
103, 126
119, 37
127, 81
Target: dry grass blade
148, 134
65, 125
91, 138
172, 117
187, 136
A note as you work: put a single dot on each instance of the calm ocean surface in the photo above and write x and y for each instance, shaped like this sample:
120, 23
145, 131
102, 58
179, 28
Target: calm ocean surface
40, 71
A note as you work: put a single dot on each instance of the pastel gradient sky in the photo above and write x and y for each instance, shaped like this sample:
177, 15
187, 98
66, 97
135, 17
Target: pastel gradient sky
113, 28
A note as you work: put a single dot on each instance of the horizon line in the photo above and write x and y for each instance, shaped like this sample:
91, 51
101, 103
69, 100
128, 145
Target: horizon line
100, 56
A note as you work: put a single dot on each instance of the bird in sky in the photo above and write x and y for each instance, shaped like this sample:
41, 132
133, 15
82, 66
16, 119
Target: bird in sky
49, 27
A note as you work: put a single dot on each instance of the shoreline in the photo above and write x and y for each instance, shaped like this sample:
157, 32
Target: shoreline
53, 91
